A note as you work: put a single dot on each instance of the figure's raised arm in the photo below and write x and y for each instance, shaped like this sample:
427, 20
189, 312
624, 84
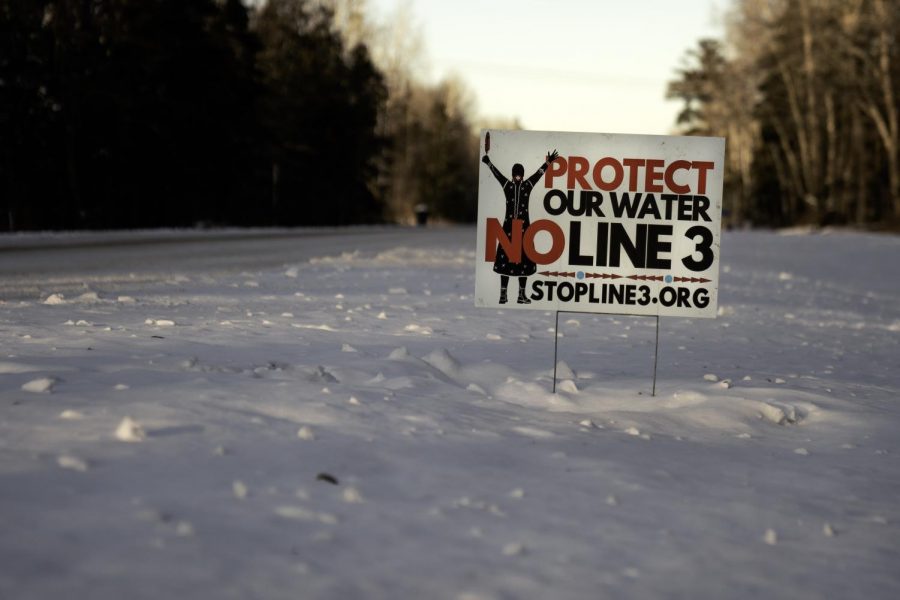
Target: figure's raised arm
551, 156
503, 180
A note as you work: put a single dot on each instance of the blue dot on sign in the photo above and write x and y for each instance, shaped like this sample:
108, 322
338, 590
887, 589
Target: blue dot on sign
668, 279
580, 274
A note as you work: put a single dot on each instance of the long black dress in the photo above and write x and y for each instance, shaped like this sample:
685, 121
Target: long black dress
517, 196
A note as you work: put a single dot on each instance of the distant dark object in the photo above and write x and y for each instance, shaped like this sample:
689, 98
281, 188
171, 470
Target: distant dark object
327, 478
832, 218
421, 211
158, 337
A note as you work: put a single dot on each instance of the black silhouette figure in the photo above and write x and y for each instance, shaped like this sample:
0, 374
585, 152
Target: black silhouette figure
517, 192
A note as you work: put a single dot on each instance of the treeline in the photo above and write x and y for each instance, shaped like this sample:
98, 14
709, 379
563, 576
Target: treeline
807, 93
150, 113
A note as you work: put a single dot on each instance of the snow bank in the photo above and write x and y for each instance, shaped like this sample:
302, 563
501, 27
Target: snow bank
350, 425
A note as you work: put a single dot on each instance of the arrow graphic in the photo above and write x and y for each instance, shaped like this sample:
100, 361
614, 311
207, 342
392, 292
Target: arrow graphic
573, 274
646, 277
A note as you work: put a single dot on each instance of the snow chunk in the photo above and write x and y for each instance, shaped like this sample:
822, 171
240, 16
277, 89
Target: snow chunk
71, 415
711, 377
770, 537
55, 299
828, 530
239, 489
474, 387
348, 348
568, 385
513, 549
563, 371
779, 415
299, 513
88, 297
160, 322
801, 451
306, 433
444, 362
44, 385
126, 300
414, 328
67, 461
323, 374
633, 431
351, 495
130, 430
400, 353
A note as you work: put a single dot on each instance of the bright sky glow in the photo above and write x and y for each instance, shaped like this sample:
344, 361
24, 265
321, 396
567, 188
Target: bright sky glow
565, 65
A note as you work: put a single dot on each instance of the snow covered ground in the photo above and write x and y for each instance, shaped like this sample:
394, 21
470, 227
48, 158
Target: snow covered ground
327, 415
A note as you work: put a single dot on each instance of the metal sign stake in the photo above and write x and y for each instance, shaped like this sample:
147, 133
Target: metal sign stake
556, 348
655, 357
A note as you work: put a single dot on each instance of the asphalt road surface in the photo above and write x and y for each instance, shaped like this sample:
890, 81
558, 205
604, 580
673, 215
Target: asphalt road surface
35, 265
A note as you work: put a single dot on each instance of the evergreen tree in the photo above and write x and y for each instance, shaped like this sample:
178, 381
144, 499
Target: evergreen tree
29, 115
321, 107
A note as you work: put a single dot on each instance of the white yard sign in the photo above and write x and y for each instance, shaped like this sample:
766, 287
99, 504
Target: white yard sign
625, 224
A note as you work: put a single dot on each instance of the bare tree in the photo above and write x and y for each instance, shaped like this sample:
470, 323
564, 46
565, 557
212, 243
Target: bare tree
806, 93
879, 95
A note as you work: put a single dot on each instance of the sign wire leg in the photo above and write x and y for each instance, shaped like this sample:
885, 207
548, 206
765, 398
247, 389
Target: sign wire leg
555, 349
655, 356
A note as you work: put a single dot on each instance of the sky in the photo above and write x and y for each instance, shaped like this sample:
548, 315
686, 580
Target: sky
568, 65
